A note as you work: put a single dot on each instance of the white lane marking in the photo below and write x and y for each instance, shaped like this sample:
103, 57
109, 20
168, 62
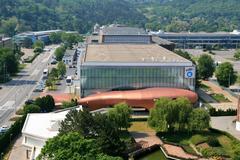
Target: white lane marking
35, 72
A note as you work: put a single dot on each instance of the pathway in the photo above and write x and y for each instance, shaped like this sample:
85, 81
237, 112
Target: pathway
226, 124
217, 89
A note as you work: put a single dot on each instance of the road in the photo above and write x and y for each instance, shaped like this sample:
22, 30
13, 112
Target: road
14, 93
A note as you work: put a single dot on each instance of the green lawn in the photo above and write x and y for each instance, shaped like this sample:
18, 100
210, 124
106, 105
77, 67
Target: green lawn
185, 139
220, 97
205, 87
140, 126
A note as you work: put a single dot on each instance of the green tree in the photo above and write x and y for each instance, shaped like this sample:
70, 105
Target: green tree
120, 115
97, 126
46, 103
199, 120
31, 108
78, 121
205, 66
54, 73
55, 37
225, 74
8, 61
185, 55
50, 82
72, 146
59, 53
38, 44
61, 67
9, 26
237, 55
170, 115
70, 39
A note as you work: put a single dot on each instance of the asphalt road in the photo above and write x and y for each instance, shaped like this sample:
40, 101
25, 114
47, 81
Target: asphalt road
16, 92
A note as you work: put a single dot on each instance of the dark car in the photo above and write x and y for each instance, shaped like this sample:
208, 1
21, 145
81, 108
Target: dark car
29, 101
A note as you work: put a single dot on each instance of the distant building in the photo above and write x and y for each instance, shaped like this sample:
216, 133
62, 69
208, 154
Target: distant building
202, 39
69, 57
33, 36
6, 42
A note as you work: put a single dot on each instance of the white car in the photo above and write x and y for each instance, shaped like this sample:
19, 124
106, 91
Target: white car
3, 129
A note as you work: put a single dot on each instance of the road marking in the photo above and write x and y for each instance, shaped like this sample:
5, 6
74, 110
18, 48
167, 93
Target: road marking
35, 72
7, 105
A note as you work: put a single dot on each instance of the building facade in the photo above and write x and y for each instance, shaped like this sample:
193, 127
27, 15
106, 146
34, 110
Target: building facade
126, 67
203, 40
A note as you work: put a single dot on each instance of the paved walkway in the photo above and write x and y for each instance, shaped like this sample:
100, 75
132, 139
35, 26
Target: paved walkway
146, 139
176, 151
226, 124
217, 89
18, 151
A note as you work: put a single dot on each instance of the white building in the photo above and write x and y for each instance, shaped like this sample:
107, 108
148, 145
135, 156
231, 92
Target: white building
69, 57
39, 127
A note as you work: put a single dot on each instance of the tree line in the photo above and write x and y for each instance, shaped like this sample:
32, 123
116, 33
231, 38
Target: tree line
190, 15
75, 15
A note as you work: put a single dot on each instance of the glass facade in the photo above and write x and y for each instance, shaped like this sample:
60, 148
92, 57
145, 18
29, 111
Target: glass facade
106, 78
191, 41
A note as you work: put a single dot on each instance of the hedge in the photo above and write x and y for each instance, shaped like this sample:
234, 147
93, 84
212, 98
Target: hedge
220, 112
12, 132
31, 59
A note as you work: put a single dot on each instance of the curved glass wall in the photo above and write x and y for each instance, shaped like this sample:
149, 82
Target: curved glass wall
96, 79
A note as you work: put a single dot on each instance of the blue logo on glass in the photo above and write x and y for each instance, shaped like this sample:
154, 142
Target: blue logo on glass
189, 74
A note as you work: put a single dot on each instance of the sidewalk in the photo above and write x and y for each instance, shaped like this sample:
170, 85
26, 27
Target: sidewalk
217, 89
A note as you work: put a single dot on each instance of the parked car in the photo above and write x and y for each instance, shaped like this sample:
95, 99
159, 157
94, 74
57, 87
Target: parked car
0, 87
29, 101
4, 129
53, 61
38, 89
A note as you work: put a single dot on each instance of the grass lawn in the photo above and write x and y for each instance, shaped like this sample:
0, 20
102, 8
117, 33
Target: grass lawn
22, 66
205, 87
185, 139
140, 127
220, 98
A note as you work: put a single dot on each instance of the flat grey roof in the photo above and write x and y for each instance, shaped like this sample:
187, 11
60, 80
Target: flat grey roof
160, 41
198, 34
131, 53
69, 52
123, 31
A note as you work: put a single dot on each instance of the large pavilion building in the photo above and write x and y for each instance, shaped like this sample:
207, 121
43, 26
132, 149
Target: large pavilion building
125, 58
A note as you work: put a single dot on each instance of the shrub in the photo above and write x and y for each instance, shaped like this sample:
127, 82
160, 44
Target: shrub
70, 104
210, 152
213, 142
31, 108
220, 112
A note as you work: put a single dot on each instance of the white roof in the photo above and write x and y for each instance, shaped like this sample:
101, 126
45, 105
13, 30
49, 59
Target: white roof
46, 125
43, 125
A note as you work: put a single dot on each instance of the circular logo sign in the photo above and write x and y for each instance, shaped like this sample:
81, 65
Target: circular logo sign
189, 74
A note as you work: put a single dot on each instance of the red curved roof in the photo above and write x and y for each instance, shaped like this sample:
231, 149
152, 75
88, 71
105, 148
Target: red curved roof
137, 98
